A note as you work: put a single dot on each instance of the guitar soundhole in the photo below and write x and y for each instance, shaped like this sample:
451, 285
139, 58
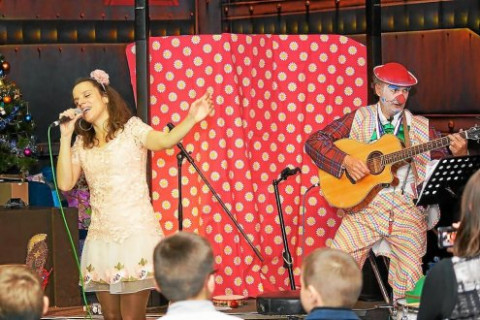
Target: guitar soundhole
374, 163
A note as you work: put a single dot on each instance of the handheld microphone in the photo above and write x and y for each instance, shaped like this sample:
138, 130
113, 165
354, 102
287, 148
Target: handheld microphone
65, 119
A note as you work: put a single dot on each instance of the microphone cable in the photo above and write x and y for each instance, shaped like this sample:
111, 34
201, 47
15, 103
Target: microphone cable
304, 209
69, 234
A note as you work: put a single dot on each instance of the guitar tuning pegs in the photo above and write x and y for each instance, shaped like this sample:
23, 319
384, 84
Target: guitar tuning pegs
451, 126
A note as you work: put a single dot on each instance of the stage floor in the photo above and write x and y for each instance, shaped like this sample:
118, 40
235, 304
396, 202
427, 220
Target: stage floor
371, 310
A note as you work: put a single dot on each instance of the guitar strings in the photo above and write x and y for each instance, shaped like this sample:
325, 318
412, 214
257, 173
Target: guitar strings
428, 145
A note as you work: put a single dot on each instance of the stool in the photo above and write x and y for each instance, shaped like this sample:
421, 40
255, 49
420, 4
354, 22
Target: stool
376, 272
383, 288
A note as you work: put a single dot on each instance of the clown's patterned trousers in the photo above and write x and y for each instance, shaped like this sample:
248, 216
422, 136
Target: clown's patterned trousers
394, 218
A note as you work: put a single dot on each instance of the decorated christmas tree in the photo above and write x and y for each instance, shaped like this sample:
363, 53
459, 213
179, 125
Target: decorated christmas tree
17, 139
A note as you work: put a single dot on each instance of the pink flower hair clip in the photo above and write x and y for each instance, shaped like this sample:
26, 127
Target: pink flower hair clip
101, 77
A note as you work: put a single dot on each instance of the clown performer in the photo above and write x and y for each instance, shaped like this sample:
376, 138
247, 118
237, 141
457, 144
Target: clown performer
387, 220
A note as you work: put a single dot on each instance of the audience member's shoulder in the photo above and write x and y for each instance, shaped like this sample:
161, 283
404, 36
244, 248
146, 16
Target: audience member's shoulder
441, 267
444, 263
225, 316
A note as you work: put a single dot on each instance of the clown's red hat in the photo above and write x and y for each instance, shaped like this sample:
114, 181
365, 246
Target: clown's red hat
396, 74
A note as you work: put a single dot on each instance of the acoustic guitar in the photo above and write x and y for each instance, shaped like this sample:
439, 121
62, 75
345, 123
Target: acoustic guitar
344, 192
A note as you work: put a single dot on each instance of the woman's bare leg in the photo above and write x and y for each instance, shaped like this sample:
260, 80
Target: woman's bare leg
110, 305
133, 306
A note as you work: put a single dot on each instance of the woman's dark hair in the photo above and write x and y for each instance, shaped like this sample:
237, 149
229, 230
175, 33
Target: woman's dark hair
467, 241
118, 114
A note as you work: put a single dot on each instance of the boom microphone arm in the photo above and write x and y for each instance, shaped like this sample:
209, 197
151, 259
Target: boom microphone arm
187, 156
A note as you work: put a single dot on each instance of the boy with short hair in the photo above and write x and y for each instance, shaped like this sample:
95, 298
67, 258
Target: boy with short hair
183, 267
21, 294
331, 282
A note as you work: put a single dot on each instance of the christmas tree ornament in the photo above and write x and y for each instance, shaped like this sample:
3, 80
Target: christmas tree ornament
7, 99
27, 152
2, 111
28, 117
5, 67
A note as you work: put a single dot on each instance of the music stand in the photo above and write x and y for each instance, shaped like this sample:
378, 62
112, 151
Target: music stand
448, 177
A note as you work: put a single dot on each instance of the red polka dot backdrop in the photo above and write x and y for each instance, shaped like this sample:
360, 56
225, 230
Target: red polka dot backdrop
270, 93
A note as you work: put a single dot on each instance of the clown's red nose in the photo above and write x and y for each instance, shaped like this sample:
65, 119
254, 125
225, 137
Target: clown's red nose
400, 99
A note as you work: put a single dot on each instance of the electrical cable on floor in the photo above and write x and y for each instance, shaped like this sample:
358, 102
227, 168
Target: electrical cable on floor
72, 244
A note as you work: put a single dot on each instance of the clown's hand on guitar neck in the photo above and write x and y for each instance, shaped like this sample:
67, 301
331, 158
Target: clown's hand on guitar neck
355, 168
458, 144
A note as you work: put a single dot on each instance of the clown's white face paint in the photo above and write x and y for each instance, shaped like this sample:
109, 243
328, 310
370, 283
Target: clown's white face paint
392, 99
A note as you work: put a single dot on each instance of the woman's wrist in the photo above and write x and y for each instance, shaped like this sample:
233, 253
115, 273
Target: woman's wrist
66, 139
190, 119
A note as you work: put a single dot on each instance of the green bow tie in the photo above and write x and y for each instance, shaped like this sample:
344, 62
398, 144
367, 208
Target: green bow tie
388, 128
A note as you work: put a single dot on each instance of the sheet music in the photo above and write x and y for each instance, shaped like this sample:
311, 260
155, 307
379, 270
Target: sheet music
446, 176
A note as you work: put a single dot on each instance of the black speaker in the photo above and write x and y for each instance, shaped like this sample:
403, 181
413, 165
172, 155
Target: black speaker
280, 303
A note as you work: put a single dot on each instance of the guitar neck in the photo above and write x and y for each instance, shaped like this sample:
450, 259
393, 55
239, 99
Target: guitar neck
412, 151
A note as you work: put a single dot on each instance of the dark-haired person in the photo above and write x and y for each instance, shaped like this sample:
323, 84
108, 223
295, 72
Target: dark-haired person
452, 287
331, 282
21, 294
387, 216
111, 150
184, 272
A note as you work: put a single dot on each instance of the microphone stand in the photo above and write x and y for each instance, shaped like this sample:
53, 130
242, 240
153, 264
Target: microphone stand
185, 154
282, 302
180, 157
287, 257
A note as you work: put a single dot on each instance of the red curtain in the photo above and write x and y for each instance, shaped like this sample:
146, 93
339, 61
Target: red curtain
270, 92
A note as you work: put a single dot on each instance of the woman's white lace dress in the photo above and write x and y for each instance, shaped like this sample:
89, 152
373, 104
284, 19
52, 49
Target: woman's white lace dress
118, 250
